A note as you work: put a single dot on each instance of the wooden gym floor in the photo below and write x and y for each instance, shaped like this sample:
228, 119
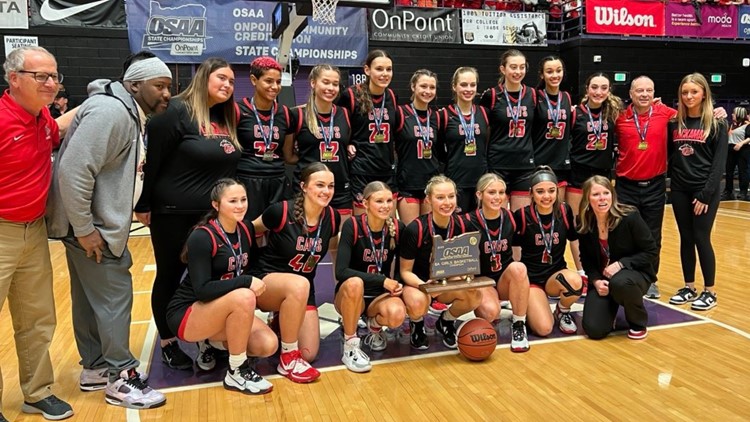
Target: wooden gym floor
693, 371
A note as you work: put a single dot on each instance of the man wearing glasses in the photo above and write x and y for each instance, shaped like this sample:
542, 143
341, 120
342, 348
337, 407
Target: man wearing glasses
29, 134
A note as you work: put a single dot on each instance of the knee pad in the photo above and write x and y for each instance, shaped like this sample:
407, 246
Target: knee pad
570, 290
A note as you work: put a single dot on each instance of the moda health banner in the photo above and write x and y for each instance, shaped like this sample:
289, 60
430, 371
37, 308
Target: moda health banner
491, 27
625, 17
180, 31
744, 22
415, 24
710, 21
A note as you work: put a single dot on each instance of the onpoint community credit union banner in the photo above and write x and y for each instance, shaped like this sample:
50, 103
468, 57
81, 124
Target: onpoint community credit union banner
710, 21
744, 22
491, 27
414, 24
180, 31
625, 17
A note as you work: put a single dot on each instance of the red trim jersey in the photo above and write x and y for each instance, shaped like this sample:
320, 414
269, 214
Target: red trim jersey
375, 149
290, 243
585, 148
417, 241
552, 141
493, 265
418, 161
26, 146
511, 146
636, 163
257, 159
465, 161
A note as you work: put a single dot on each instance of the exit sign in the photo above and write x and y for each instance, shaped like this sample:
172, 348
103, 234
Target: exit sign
717, 79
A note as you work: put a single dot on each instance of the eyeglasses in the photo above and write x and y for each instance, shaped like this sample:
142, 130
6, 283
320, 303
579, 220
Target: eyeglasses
42, 77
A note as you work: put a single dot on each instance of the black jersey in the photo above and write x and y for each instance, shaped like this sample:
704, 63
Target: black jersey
417, 241
495, 250
290, 243
591, 146
696, 165
182, 163
372, 134
466, 160
217, 264
511, 146
418, 160
314, 149
552, 140
530, 238
358, 257
262, 157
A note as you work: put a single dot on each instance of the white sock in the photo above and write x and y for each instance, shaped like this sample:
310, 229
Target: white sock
516, 318
288, 347
235, 361
447, 316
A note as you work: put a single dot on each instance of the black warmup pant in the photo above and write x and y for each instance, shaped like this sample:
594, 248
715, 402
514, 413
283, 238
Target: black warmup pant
168, 235
695, 233
649, 197
626, 289
739, 159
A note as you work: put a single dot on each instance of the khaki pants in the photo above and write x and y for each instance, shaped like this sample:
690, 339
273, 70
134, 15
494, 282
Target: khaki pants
26, 280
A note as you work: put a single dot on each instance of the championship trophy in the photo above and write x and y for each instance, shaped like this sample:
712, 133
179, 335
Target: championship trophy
454, 263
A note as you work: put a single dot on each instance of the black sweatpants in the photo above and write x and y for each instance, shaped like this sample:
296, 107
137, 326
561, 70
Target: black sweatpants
741, 160
626, 289
649, 198
695, 234
168, 235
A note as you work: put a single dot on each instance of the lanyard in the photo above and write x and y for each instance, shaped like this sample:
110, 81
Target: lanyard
494, 245
327, 136
594, 128
377, 257
642, 134
267, 136
425, 133
315, 241
556, 112
237, 256
547, 240
432, 227
468, 129
379, 116
515, 113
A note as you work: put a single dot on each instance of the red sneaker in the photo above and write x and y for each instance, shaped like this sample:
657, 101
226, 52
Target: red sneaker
294, 367
437, 307
637, 334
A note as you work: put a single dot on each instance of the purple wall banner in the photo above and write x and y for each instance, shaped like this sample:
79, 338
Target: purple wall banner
744, 22
713, 21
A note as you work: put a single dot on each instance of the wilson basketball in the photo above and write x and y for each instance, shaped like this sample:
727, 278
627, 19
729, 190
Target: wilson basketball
477, 339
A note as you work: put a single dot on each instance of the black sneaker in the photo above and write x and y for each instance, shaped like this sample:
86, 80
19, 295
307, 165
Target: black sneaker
447, 329
418, 336
51, 408
206, 359
683, 296
174, 357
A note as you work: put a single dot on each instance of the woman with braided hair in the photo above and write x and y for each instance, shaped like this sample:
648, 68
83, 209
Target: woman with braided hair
299, 234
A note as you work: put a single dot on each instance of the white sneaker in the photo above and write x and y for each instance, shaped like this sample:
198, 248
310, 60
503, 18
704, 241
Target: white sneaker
206, 359
354, 358
245, 380
130, 391
505, 304
376, 341
519, 340
93, 379
566, 322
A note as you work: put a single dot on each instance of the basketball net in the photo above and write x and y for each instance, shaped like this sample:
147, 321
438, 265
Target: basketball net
324, 11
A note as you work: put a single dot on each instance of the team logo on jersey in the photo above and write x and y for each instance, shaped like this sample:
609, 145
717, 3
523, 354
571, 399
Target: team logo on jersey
686, 150
227, 146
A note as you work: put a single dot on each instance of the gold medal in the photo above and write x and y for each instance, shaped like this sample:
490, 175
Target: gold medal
546, 258
643, 145
427, 153
311, 261
379, 138
327, 155
268, 156
599, 145
554, 132
470, 148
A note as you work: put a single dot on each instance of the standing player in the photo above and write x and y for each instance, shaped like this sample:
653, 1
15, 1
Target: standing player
512, 106
465, 134
497, 226
299, 234
553, 123
367, 251
416, 146
543, 229
372, 106
697, 156
416, 250
263, 130
322, 135
216, 299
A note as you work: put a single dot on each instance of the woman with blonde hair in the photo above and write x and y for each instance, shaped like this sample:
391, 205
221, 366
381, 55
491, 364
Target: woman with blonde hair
697, 156
738, 155
190, 146
619, 255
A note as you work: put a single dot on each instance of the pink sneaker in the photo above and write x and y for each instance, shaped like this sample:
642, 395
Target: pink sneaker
297, 369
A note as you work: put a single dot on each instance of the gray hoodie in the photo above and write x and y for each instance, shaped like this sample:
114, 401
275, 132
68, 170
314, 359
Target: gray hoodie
94, 173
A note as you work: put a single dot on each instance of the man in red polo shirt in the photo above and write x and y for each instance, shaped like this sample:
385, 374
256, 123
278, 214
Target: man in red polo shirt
642, 163
29, 134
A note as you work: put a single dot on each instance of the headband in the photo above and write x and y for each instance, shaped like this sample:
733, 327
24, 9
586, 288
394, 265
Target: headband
543, 176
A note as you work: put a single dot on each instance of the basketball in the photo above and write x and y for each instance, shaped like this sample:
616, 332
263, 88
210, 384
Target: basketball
477, 339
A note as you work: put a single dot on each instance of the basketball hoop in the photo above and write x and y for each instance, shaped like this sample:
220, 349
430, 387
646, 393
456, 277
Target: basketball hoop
324, 11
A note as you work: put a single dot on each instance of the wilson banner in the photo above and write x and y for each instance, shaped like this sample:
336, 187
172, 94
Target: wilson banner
625, 17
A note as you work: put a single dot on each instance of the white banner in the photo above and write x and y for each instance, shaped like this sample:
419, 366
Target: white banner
14, 14
14, 41
491, 27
